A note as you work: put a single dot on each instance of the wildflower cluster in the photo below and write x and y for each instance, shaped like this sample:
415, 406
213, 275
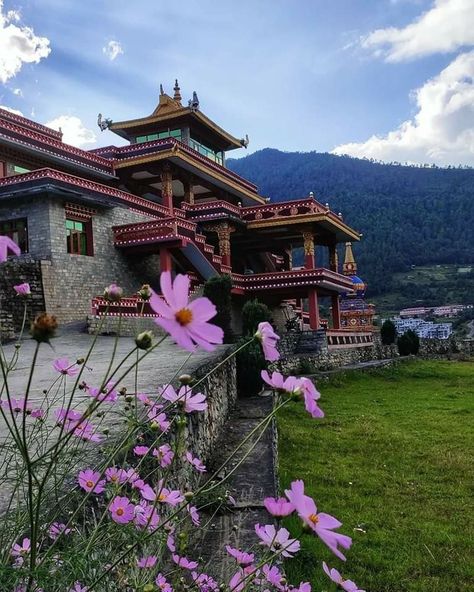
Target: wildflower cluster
92, 510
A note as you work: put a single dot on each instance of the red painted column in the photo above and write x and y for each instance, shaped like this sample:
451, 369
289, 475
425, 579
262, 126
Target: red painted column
313, 309
167, 187
336, 312
309, 261
165, 260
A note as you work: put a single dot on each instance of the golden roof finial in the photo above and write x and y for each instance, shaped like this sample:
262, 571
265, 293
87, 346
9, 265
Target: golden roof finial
350, 266
177, 94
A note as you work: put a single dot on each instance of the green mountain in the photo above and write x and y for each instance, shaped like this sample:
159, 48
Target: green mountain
409, 216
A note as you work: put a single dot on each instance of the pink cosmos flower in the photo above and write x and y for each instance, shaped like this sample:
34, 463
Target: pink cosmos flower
145, 399
141, 450
277, 540
21, 406
278, 507
21, 550
146, 516
164, 454
65, 416
7, 244
64, 366
273, 576
22, 289
147, 562
276, 380
304, 387
90, 481
56, 529
241, 557
78, 587
322, 524
303, 587
193, 512
84, 430
115, 475
335, 576
204, 582
184, 562
185, 398
170, 543
108, 394
122, 510
163, 583
242, 578
185, 321
195, 462
162, 494
268, 338
159, 419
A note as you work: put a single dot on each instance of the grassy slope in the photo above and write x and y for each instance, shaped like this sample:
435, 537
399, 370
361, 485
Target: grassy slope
393, 458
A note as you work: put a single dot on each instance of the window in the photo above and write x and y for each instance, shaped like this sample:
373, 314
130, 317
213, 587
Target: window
174, 133
216, 156
79, 237
17, 230
20, 170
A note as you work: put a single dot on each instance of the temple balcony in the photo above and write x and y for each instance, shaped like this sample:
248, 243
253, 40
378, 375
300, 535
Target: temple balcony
294, 283
185, 158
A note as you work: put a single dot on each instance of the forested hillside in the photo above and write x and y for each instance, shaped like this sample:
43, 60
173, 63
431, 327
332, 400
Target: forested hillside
408, 215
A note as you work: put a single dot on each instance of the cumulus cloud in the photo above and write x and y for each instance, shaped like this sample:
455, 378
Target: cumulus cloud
446, 27
441, 132
15, 111
112, 50
18, 45
74, 131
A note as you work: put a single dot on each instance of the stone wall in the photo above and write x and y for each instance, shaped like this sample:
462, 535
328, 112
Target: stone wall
433, 348
7, 332
126, 326
64, 284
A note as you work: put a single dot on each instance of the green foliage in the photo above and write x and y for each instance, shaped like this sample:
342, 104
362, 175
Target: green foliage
253, 313
218, 290
408, 343
392, 463
388, 332
408, 215
306, 366
250, 363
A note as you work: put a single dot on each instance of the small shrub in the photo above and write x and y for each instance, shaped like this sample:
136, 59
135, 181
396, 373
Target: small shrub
253, 313
388, 332
306, 366
408, 343
250, 363
218, 290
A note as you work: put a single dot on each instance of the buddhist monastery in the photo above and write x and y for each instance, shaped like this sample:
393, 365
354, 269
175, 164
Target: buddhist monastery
164, 201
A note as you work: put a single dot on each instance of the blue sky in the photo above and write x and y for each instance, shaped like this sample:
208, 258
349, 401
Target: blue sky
388, 79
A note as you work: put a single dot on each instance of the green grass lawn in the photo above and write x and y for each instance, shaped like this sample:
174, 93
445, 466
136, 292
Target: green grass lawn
392, 460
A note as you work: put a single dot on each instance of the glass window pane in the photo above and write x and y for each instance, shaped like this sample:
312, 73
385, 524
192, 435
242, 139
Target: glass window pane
152, 137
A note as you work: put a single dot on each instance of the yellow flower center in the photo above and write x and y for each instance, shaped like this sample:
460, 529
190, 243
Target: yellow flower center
313, 518
184, 316
90, 483
161, 497
120, 512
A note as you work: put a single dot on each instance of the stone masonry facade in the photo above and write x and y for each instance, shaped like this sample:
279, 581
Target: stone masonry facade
63, 284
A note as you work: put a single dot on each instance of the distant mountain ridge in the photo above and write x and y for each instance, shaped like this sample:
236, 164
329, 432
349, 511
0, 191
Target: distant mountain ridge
407, 215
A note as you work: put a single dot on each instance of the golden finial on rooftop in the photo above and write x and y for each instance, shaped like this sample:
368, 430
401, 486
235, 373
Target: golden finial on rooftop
177, 94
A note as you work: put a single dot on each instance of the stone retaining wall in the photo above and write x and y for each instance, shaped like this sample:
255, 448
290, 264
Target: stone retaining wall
7, 331
126, 326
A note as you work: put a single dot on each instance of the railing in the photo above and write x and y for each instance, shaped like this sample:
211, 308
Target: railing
28, 123
290, 279
283, 209
161, 230
156, 146
211, 210
340, 338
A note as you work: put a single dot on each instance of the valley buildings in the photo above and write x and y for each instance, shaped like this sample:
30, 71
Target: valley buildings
164, 201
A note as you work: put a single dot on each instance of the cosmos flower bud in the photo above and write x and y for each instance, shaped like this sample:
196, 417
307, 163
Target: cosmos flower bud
80, 361
113, 293
189, 495
43, 327
145, 292
149, 588
185, 379
144, 340
22, 290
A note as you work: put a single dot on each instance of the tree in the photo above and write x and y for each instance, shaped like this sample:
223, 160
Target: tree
408, 343
388, 332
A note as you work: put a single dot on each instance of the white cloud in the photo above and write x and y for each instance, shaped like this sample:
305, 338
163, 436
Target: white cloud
17, 92
15, 111
112, 50
447, 26
74, 131
18, 45
441, 132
